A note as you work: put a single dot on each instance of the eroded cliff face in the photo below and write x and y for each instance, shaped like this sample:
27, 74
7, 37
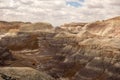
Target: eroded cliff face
108, 27
73, 27
90, 53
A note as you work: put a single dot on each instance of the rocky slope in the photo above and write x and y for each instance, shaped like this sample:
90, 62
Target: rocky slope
22, 73
108, 27
73, 27
90, 52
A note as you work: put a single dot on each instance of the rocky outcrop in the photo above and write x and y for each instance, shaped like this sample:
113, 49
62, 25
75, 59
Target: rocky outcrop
90, 53
35, 27
108, 27
73, 24
73, 27
23, 26
5, 54
25, 36
20, 42
6, 26
22, 73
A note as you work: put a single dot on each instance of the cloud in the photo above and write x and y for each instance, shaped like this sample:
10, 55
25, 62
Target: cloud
58, 11
26, 2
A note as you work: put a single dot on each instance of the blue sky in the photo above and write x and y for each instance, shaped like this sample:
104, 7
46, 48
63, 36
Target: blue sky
75, 3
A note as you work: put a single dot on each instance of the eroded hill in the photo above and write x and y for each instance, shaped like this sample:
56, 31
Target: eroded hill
75, 51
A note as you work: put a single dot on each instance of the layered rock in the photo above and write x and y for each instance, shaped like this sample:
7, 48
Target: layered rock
5, 54
20, 42
36, 27
6, 26
108, 27
90, 53
22, 73
73, 27
25, 36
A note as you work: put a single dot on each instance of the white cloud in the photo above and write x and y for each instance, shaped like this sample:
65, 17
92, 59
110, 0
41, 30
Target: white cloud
57, 11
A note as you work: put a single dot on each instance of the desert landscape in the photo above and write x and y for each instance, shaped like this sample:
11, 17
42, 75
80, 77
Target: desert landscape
72, 51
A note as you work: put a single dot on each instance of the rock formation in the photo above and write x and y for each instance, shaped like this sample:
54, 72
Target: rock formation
73, 27
22, 73
5, 54
75, 51
108, 27
35, 27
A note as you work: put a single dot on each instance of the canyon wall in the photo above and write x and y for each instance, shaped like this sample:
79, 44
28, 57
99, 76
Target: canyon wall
75, 51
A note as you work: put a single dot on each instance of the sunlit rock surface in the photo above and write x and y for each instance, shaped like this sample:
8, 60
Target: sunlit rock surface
75, 51
22, 73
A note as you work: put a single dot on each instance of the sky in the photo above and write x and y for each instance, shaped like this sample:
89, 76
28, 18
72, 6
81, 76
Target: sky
58, 12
